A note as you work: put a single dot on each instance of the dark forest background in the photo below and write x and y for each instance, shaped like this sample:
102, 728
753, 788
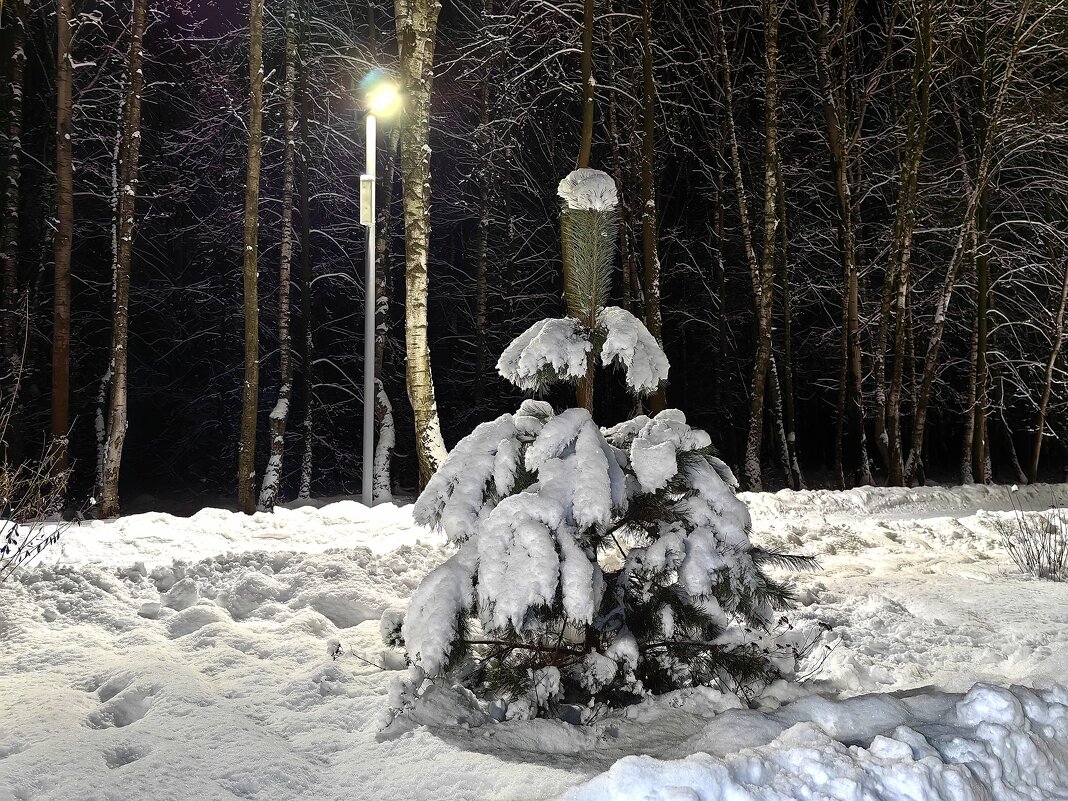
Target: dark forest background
989, 244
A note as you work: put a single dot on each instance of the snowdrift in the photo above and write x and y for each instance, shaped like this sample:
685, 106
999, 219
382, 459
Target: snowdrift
161, 657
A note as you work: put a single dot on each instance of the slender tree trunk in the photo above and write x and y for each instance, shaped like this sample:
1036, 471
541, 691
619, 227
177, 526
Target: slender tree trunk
615, 78
762, 275
63, 240
246, 449
128, 174
651, 261
794, 475
1047, 389
900, 258
982, 280
763, 288
9, 236
588, 85
487, 150
966, 240
272, 476
387, 436
967, 475
417, 22
307, 350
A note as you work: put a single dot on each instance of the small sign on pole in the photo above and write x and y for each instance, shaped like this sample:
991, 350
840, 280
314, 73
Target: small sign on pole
367, 200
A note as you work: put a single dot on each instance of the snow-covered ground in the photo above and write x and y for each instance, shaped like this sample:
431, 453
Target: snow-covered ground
173, 658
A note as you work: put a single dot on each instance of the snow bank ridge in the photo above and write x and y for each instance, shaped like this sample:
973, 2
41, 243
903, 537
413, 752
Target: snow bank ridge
1003, 744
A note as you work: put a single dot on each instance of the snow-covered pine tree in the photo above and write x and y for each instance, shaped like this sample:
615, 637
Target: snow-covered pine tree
595, 565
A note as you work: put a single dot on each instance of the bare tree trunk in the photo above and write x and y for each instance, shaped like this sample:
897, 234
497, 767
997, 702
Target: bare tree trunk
899, 262
650, 259
966, 240
280, 414
982, 280
387, 436
615, 79
794, 475
588, 85
417, 22
967, 476
63, 239
307, 350
9, 236
1047, 390
246, 449
764, 283
128, 174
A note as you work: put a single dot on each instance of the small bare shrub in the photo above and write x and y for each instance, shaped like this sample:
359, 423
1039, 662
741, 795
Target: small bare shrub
1037, 541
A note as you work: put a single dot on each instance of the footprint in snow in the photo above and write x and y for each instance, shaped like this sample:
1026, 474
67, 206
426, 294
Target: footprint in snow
125, 754
126, 708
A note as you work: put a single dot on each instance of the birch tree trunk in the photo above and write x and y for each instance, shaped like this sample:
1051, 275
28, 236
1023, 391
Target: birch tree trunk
130, 149
307, 350
387, 434
63, 239
269, 492
416, 31
246, 448
764, 278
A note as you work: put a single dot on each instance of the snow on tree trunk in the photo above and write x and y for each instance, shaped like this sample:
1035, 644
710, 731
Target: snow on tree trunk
417, 22
280, 414
128, 172
387, 440
246, 449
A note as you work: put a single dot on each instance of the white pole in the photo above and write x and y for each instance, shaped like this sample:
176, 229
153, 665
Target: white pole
367, 186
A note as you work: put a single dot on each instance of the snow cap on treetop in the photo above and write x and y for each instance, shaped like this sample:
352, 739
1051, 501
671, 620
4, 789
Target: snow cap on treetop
590, 190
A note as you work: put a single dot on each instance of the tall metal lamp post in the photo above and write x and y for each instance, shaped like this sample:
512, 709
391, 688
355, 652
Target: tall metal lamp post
383, 99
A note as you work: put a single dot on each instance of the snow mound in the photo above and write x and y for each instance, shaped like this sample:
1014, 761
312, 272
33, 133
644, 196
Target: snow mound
590, 190
994, 743
629, 344
552, 349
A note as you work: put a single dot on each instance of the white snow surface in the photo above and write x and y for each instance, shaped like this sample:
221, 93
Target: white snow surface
558, 345
589, 190
629, 343
174, 658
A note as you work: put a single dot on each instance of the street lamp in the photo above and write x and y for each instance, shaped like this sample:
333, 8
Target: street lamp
383, 99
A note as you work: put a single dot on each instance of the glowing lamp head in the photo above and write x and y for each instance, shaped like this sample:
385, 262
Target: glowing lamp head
381, 94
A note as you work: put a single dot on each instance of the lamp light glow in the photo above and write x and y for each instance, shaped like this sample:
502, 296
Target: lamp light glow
381, 94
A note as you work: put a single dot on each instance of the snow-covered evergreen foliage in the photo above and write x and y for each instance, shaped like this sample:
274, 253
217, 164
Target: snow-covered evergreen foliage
594, 565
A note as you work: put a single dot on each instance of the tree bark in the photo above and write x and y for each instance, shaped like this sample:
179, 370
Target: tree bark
764, 279
898, 266
246, 449
307, 350
63, 240
416, 31
9, 236
1047, 389
588, 85
272, 476
130, 149
966, 241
